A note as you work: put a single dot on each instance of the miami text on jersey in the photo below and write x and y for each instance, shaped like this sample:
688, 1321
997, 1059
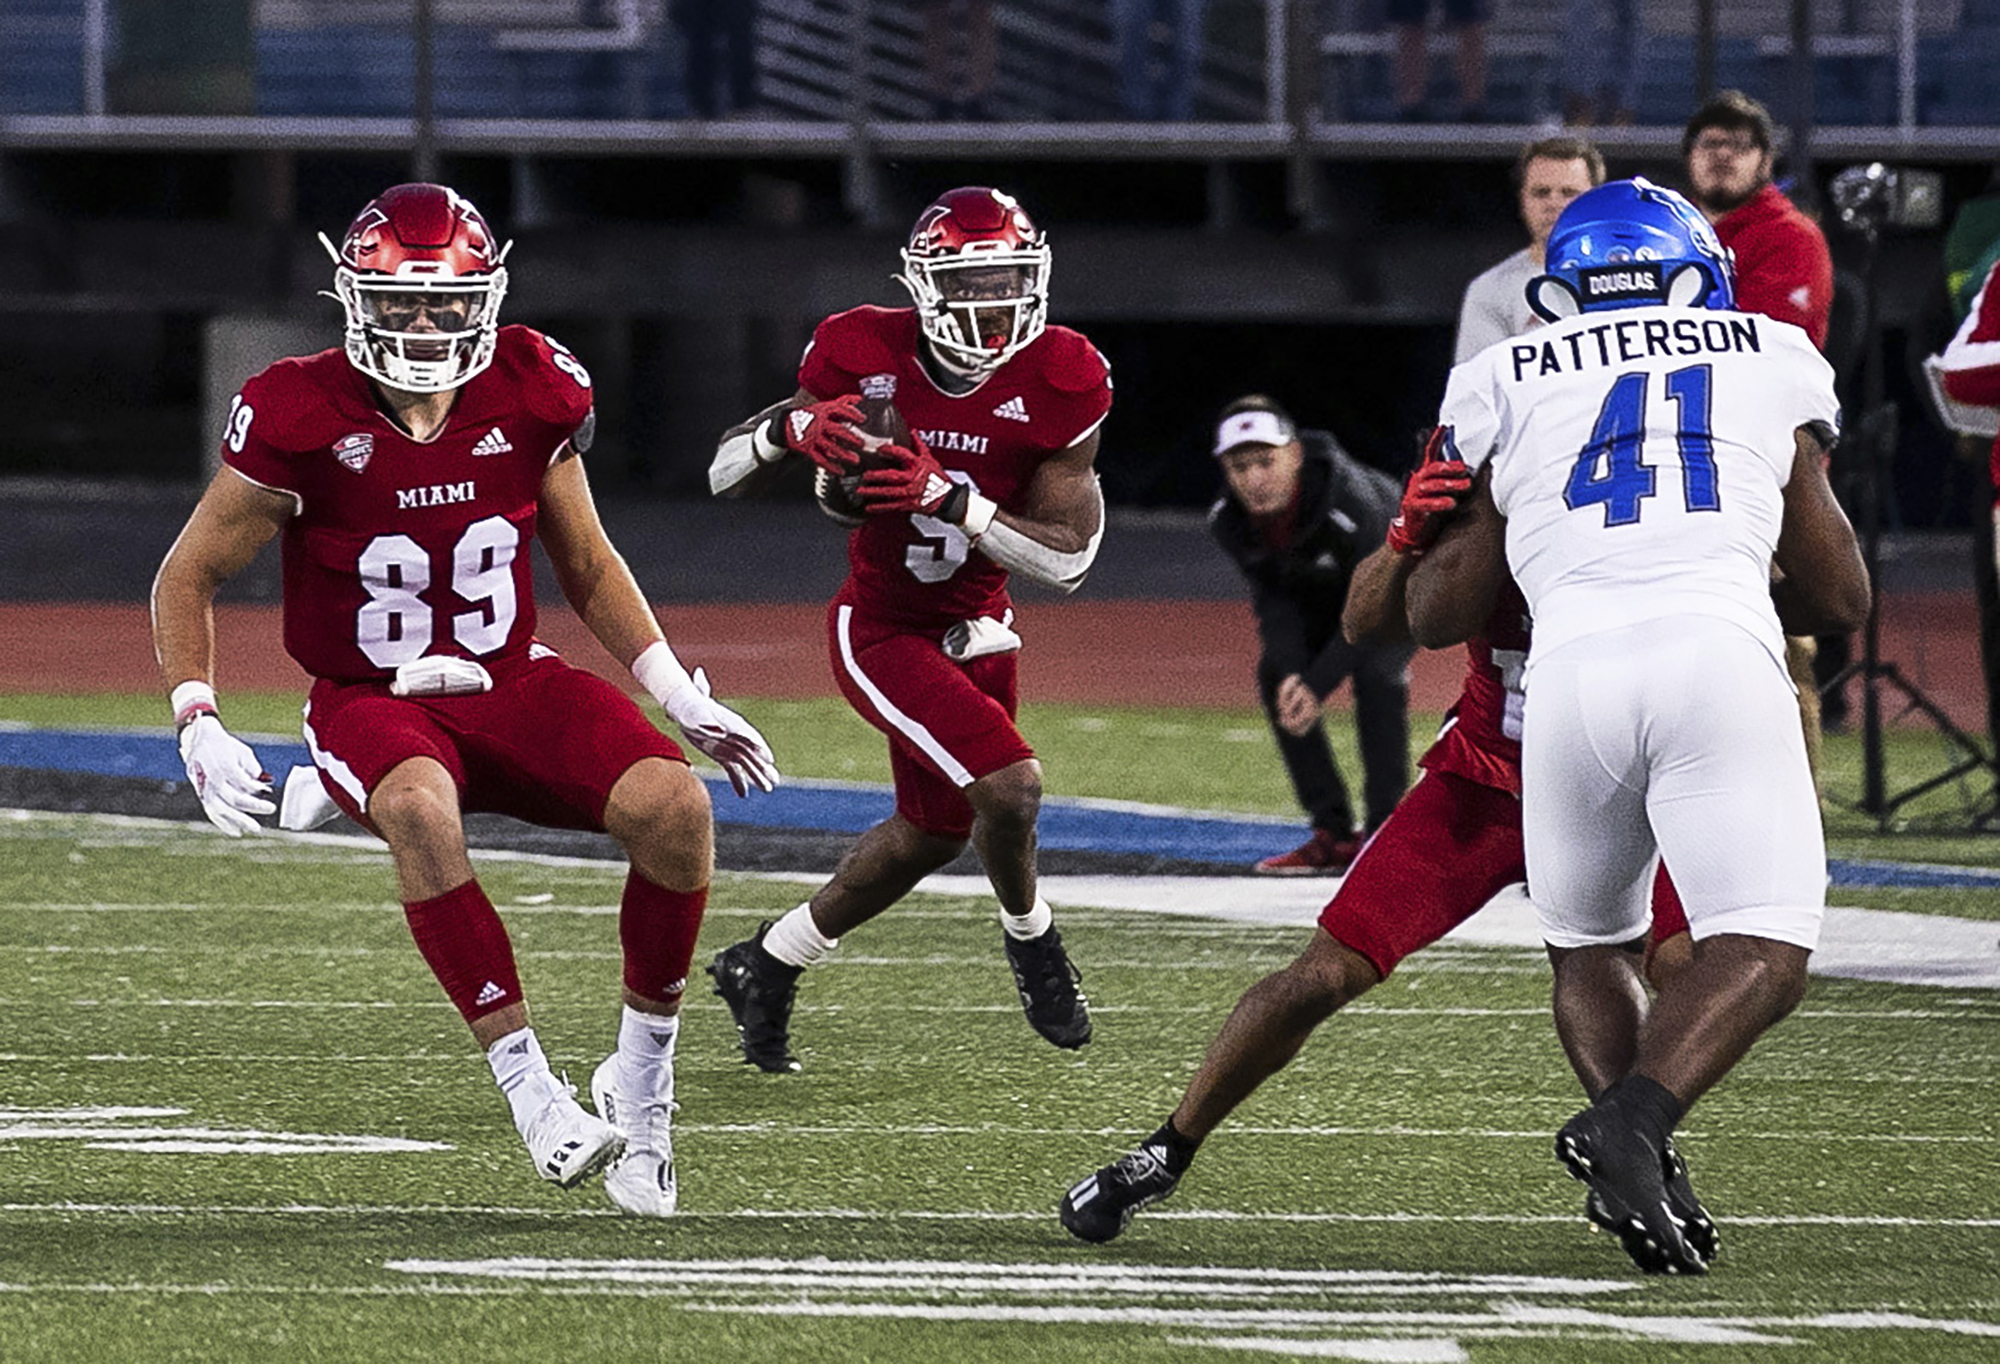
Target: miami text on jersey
954, 440
434, 495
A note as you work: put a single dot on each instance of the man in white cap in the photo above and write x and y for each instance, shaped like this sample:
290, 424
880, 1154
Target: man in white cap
1298, 514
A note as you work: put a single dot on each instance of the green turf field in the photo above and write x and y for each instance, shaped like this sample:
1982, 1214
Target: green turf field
238, 1121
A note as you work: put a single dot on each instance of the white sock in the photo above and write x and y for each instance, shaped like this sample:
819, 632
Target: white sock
1033, 924
646, 1056
523, 1074
796, 940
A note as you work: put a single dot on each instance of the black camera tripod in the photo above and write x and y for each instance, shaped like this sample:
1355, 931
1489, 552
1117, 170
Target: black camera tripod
1873, 441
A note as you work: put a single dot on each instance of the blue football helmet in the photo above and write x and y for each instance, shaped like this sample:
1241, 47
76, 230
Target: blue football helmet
1628, 244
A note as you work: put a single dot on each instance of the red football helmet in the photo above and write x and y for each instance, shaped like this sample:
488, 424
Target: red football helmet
421, 278
978, 268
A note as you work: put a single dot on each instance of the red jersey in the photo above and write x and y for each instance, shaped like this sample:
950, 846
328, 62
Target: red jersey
1972, 360
916, 571
1481, 737
1783, 269
402, 548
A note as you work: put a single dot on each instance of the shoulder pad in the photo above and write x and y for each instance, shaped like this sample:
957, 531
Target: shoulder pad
551, 382
1073, 365
864, 340
297, 400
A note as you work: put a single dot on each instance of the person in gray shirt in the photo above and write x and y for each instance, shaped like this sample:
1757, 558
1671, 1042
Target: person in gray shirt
1548, 174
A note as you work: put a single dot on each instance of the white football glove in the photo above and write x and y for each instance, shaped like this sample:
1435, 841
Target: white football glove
732, 741
228, 779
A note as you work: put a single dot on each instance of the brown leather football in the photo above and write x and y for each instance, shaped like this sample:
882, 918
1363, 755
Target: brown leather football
881, 424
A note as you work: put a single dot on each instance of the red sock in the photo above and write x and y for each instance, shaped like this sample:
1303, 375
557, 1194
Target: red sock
657, 928
467, 948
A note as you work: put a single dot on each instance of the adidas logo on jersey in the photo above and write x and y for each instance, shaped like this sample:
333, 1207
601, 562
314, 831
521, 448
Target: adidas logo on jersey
487, 994
1014, 410
493, 443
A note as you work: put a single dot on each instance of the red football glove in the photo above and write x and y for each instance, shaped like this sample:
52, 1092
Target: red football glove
828, 433
911, 480
1435, 489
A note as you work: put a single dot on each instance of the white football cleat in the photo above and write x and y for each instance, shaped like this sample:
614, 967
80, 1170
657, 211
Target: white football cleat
643, 1180
569, 1145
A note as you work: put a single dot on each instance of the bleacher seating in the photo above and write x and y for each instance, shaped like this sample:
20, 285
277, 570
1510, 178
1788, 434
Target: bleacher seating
41, 57
1854, 70
1058, 61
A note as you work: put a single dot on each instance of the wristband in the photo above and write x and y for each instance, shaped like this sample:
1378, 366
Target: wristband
762, 448
660, 672
979, 513
189, 700
952, 510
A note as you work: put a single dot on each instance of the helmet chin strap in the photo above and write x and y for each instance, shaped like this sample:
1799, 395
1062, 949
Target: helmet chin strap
962, 377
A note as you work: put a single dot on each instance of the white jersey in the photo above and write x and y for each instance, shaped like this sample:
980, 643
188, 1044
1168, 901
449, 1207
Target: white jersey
1640, 457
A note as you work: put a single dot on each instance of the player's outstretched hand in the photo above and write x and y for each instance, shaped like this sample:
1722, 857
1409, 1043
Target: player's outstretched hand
732, 741
228, 779
828, 433
910, 479
1435, 489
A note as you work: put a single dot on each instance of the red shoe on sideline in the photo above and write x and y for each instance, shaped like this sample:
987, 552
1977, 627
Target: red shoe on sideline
1320, 855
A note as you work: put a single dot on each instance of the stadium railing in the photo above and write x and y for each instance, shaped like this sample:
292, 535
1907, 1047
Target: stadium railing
845, 80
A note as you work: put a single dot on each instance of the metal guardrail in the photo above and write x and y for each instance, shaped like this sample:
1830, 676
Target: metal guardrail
859, 65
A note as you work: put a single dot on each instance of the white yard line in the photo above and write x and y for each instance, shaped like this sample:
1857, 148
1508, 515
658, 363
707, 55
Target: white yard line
1860, 944
450, 1210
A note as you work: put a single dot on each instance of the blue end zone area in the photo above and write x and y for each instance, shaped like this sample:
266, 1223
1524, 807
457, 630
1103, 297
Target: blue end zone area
1066, 825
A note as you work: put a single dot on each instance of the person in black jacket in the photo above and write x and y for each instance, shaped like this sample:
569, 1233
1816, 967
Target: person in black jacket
1298, 514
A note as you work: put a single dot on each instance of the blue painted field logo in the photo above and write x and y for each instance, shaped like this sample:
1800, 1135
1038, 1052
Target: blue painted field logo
1388, 1315
143, 1130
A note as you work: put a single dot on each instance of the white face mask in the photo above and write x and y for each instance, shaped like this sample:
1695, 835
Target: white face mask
421, 333
973, 314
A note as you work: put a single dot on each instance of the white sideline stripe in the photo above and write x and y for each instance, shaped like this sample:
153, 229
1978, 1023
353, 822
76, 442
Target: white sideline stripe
1859, 944
919, 1215
1014, 1276
1390, 1132
910, 729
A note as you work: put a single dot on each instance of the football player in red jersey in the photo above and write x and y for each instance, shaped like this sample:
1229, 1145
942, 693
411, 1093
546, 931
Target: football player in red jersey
1450, 846
406, 473
997, 478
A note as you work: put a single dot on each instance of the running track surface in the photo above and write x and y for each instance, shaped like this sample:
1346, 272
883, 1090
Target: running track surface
1123, 652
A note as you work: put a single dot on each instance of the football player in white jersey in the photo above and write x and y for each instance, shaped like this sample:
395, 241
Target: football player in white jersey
1641, 465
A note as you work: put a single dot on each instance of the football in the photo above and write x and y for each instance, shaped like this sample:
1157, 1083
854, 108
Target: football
881, 424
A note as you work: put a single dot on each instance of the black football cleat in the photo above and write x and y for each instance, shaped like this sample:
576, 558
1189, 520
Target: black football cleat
1051, 988
1628, 1188
758, 988
1102, 1205
1696, 1225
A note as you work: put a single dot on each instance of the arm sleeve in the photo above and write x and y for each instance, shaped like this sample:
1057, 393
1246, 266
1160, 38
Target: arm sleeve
255, 416
1481, 321
821, 371
1471, 420
1790, 278
1972, 360
1378, 499
1281, 627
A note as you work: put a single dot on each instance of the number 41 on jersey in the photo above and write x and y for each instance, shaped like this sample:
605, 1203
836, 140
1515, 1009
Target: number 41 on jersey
1611, 469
